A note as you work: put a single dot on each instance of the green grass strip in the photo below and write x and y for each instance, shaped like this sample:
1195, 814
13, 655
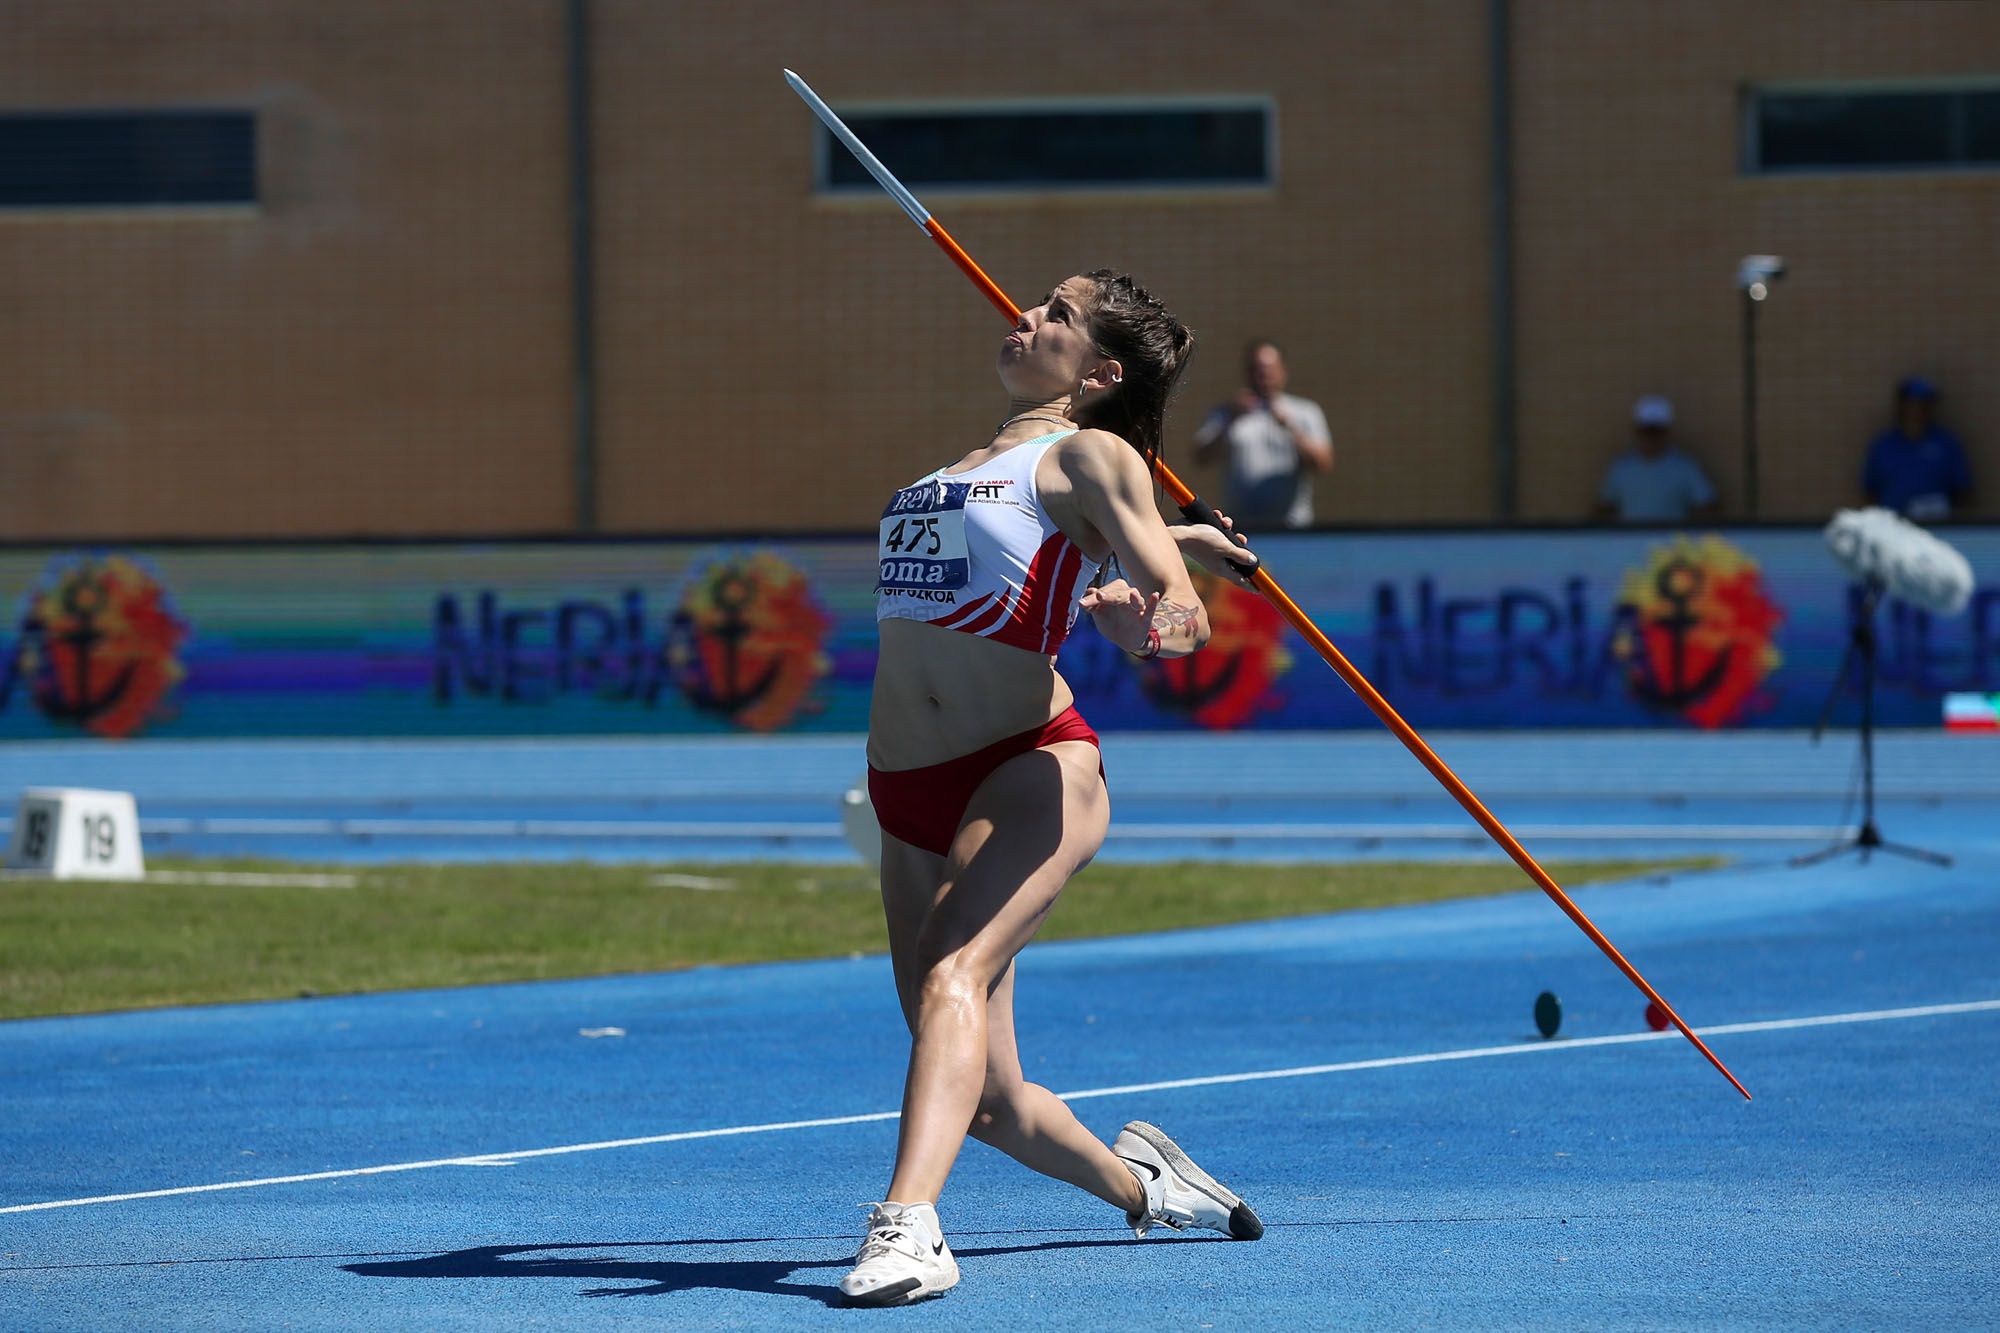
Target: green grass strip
80, 947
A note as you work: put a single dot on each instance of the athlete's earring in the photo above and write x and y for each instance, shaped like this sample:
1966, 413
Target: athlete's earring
1116, 378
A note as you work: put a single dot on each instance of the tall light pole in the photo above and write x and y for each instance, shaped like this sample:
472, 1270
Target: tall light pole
1754, 277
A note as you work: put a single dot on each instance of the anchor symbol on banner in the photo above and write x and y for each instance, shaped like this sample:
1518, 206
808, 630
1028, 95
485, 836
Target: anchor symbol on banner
728, 694
1678, 584
1177, 686
82, 604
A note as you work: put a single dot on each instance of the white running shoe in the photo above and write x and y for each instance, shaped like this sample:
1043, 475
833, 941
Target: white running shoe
903, 1257
1179, 1193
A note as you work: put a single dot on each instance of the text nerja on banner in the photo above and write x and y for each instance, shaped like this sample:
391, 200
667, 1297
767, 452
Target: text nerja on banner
1583, 628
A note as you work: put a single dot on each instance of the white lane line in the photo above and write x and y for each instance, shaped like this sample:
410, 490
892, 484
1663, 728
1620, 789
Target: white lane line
1540, 1047
1474, 834
778, 830
483, 1159
1165, 1085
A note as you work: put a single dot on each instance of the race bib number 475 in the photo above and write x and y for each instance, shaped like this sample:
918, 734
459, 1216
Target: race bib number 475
923, 537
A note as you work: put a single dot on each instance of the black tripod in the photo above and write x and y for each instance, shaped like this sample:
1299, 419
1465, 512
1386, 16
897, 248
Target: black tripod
1861, 654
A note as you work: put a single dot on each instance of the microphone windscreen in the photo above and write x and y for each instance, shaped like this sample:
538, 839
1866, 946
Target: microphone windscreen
1881, 546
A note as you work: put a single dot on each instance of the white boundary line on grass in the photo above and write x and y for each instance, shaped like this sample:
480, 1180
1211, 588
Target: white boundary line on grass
1211, 1080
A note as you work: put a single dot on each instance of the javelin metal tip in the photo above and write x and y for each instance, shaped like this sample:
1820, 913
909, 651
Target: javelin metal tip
904, 199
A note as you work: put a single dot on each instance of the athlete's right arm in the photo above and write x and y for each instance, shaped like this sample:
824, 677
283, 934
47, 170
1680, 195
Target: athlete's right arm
1158, 611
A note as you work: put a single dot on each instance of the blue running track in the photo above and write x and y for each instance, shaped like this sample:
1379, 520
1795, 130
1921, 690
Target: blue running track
1290, 796
1371, 1082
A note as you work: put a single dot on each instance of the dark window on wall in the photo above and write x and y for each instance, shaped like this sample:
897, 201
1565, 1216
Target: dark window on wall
1873, 129
1188, 145
127, 159
1982, 126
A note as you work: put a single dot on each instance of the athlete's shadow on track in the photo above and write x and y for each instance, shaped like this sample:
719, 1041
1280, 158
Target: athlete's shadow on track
660, 1277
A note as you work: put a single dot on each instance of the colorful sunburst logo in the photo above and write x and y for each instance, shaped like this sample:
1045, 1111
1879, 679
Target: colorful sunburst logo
1223, 685
748, 641
100, 640
1699, 638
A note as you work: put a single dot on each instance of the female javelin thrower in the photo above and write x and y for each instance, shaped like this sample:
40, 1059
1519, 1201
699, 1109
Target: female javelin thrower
987, 783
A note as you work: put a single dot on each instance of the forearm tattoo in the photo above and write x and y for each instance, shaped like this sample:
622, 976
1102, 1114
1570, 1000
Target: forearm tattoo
1169, 617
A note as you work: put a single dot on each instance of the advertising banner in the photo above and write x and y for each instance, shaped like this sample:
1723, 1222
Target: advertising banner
1545, 628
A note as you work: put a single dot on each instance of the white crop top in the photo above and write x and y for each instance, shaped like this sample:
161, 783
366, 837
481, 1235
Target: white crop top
976, 551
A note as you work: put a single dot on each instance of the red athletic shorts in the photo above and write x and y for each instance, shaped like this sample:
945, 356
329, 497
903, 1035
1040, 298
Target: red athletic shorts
924, 806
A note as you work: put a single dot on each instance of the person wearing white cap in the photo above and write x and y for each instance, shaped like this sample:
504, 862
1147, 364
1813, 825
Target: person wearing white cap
1655, 481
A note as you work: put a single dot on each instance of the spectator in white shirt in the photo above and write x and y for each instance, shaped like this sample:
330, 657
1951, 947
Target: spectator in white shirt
1275, 442
1655, 481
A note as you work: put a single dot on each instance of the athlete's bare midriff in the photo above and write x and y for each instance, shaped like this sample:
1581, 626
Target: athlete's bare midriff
940, 694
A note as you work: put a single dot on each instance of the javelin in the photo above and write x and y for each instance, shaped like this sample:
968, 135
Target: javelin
1198, 510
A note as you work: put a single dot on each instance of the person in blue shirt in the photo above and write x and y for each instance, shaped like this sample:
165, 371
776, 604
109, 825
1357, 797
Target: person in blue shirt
1916, 467
1655, 481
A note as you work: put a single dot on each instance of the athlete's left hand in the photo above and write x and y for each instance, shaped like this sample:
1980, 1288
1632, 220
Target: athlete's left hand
1121, 613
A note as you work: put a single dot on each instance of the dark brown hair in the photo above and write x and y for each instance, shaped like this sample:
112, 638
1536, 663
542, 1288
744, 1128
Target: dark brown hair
1129, 325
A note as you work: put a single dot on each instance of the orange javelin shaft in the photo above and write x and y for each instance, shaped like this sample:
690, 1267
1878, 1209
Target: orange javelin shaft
1196, 509
987, 287
1407, 734
1260, 578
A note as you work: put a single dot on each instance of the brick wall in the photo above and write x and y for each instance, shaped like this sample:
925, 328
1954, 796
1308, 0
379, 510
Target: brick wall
1633, 216
832, 344
384, 347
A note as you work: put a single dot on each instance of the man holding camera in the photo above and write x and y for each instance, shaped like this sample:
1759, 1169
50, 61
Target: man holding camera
1275, 442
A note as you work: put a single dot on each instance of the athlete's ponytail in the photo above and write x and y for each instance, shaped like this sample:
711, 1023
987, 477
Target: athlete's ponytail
1128, 324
